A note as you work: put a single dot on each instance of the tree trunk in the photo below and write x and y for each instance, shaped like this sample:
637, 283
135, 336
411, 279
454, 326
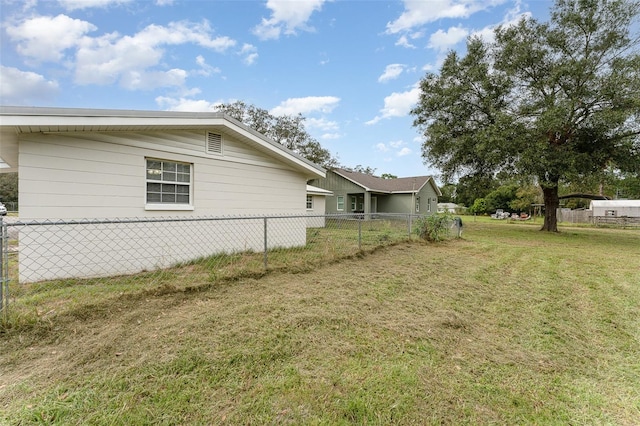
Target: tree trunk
551, 204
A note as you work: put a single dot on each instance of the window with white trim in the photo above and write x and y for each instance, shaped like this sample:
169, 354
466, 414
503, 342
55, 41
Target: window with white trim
340, 205
309, 202
168, 182
354, 200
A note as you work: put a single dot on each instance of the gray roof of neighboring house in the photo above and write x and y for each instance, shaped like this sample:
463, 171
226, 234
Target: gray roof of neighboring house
396, 185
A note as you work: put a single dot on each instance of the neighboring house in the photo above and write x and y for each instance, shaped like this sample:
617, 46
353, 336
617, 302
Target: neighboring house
451, 208
87, 164
615, 208
316, 201
362, 193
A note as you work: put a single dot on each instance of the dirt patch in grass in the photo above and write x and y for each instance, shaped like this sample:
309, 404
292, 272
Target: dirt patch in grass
506, 326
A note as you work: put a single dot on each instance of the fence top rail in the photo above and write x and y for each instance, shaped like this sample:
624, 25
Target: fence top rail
169, 219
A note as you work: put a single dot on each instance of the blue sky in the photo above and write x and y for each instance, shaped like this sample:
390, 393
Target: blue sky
350, 67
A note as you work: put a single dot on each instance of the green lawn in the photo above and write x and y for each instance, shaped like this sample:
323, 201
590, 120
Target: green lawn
505, 326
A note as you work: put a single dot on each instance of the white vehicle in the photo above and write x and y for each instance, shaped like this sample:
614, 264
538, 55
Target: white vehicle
3, 210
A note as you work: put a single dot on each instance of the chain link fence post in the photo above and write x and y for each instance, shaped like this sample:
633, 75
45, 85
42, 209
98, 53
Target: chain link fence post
266, 244
359, 233
4, 267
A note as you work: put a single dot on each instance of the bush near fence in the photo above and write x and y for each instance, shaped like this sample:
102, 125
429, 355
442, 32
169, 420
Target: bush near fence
45, 259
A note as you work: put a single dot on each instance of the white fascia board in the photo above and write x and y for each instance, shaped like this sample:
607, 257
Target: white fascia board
314, 190
62, 119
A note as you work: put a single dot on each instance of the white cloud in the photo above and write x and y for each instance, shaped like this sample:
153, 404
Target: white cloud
391, 72
250, 53
24, 87
188, 105
45, 38
136, 80
205, 69
330, 136
444, 40
418, 13
403, 41
286, 17
114, 58
322, 124
382, 147
293, 106
404, 151
86, 4
398, 104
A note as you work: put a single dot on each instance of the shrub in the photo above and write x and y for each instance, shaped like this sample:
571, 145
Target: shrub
434, 227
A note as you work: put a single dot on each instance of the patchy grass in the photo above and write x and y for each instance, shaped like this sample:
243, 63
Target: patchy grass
506, 326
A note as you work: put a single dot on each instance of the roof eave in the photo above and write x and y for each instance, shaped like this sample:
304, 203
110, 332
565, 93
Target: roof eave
61, 119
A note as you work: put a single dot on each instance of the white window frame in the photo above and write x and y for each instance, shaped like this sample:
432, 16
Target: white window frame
340, 201
309, 202
168, 205
354, 203
417, 204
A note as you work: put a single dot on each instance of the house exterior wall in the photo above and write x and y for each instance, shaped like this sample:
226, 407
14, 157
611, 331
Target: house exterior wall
398, 203
385, 202
340, 187
617, 208
428, 200
103, 175
317, 212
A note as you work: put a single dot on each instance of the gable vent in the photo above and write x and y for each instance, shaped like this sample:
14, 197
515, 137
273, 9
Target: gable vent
214, 143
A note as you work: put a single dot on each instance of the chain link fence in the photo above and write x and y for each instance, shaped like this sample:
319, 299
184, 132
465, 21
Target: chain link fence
48, 266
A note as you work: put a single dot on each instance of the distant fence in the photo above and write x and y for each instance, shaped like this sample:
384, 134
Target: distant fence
129, 254
585, 216
574, 216
618, 221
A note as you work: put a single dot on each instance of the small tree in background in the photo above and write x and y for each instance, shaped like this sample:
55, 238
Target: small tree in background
287, 130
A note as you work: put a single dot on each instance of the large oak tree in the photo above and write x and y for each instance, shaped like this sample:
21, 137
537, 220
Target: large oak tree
558, 100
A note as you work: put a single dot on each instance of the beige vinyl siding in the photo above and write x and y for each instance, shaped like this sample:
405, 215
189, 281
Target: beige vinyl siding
98, 175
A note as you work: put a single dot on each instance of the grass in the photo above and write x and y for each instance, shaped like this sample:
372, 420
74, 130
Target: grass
506, 326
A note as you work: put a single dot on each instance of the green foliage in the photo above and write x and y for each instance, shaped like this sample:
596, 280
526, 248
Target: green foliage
557, 101
448, 191
8, 187
525, 197
361, 169
474, 186
433, 227
479, 206
287, 130
502, 197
